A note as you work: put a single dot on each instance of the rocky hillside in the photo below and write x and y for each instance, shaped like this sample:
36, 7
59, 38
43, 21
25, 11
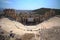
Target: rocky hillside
43, 10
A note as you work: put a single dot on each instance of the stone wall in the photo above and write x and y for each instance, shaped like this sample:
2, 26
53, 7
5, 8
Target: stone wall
23, 17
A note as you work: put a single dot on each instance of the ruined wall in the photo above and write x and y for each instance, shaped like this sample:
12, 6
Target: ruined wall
23, 17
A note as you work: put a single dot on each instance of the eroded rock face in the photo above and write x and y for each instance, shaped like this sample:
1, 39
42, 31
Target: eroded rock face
51, 34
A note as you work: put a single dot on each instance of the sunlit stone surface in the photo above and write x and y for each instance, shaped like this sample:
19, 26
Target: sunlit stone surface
47, 30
